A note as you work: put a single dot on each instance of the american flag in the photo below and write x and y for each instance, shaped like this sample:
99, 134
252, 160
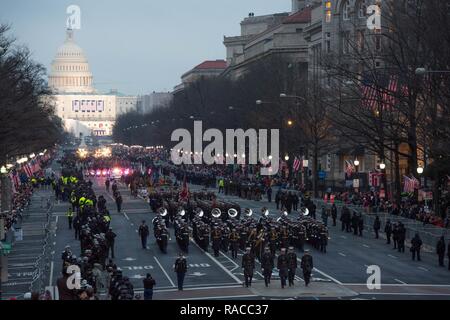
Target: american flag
410, 184
14, 177
184, 194
35, 167
349, 168
371, 93
297, 164
28, 171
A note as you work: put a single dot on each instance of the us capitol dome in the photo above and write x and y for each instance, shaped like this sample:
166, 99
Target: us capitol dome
70, 69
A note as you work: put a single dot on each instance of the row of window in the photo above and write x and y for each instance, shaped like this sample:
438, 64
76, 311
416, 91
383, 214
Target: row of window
88, 105
345, 9
71, 81
72, 68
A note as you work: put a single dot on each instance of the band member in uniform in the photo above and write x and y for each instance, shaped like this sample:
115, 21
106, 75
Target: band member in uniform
273, 240
292, 265
282, 266
248, 264
234, 245
307, 266
216, 236
267, 265
181, 269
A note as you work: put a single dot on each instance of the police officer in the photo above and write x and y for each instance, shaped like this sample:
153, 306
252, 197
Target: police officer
377, 226
107, 182
401, 237
334, 214
307, 266
66, 257
360, 225
388, 231
110, 238
416, 245
267, 265
119, 202
282, 267
395, 235
180, 269
143, 233
70, 217
248, 264
77, 226
292, 265
440, 250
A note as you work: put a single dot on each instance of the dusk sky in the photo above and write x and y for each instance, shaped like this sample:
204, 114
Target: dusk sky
135, 46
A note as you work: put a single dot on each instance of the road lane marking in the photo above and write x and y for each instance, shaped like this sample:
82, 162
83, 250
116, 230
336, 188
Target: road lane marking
126, 216
164, 271
391, 256
399, 281
341, 254
424, 269
343, 237
399, 285
51, 274
324, 274
405, 294
365, 246
220, 297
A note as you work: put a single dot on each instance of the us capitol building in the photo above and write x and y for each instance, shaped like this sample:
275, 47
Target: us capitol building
77, 103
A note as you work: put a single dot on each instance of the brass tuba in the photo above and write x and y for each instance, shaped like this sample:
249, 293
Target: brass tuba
232, 213
216, 213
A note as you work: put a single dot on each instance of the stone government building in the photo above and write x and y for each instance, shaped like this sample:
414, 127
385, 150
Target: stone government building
77, 103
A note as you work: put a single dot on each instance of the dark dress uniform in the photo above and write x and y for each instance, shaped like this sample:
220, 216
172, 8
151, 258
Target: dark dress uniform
292, 267
267, 265
307, 267
282, 266
248, 264
234, 244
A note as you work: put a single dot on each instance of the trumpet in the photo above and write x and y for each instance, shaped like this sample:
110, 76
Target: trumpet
265, 211
248, 212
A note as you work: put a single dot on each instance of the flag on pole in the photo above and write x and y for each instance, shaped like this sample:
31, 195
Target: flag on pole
28, 170
297, 164
410, 184
184, 194
348, 168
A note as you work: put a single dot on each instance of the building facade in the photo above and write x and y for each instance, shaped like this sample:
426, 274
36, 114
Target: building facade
76, 102
149, 102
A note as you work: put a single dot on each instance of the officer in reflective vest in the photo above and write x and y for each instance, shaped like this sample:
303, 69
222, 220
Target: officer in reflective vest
81, 204
70, 217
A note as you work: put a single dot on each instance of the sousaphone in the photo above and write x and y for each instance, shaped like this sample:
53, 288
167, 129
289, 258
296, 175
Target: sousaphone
181, 212
248, 212
216, 213
304, 212
162, 212
199, 213
232, 213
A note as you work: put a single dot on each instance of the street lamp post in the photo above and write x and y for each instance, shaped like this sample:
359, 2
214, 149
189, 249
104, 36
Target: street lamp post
356, 163
423, 71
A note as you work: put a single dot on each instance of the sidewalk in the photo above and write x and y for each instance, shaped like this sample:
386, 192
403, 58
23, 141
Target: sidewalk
22, 261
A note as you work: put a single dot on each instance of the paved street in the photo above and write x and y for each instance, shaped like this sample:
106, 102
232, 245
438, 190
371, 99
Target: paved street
22, 262
340, 273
